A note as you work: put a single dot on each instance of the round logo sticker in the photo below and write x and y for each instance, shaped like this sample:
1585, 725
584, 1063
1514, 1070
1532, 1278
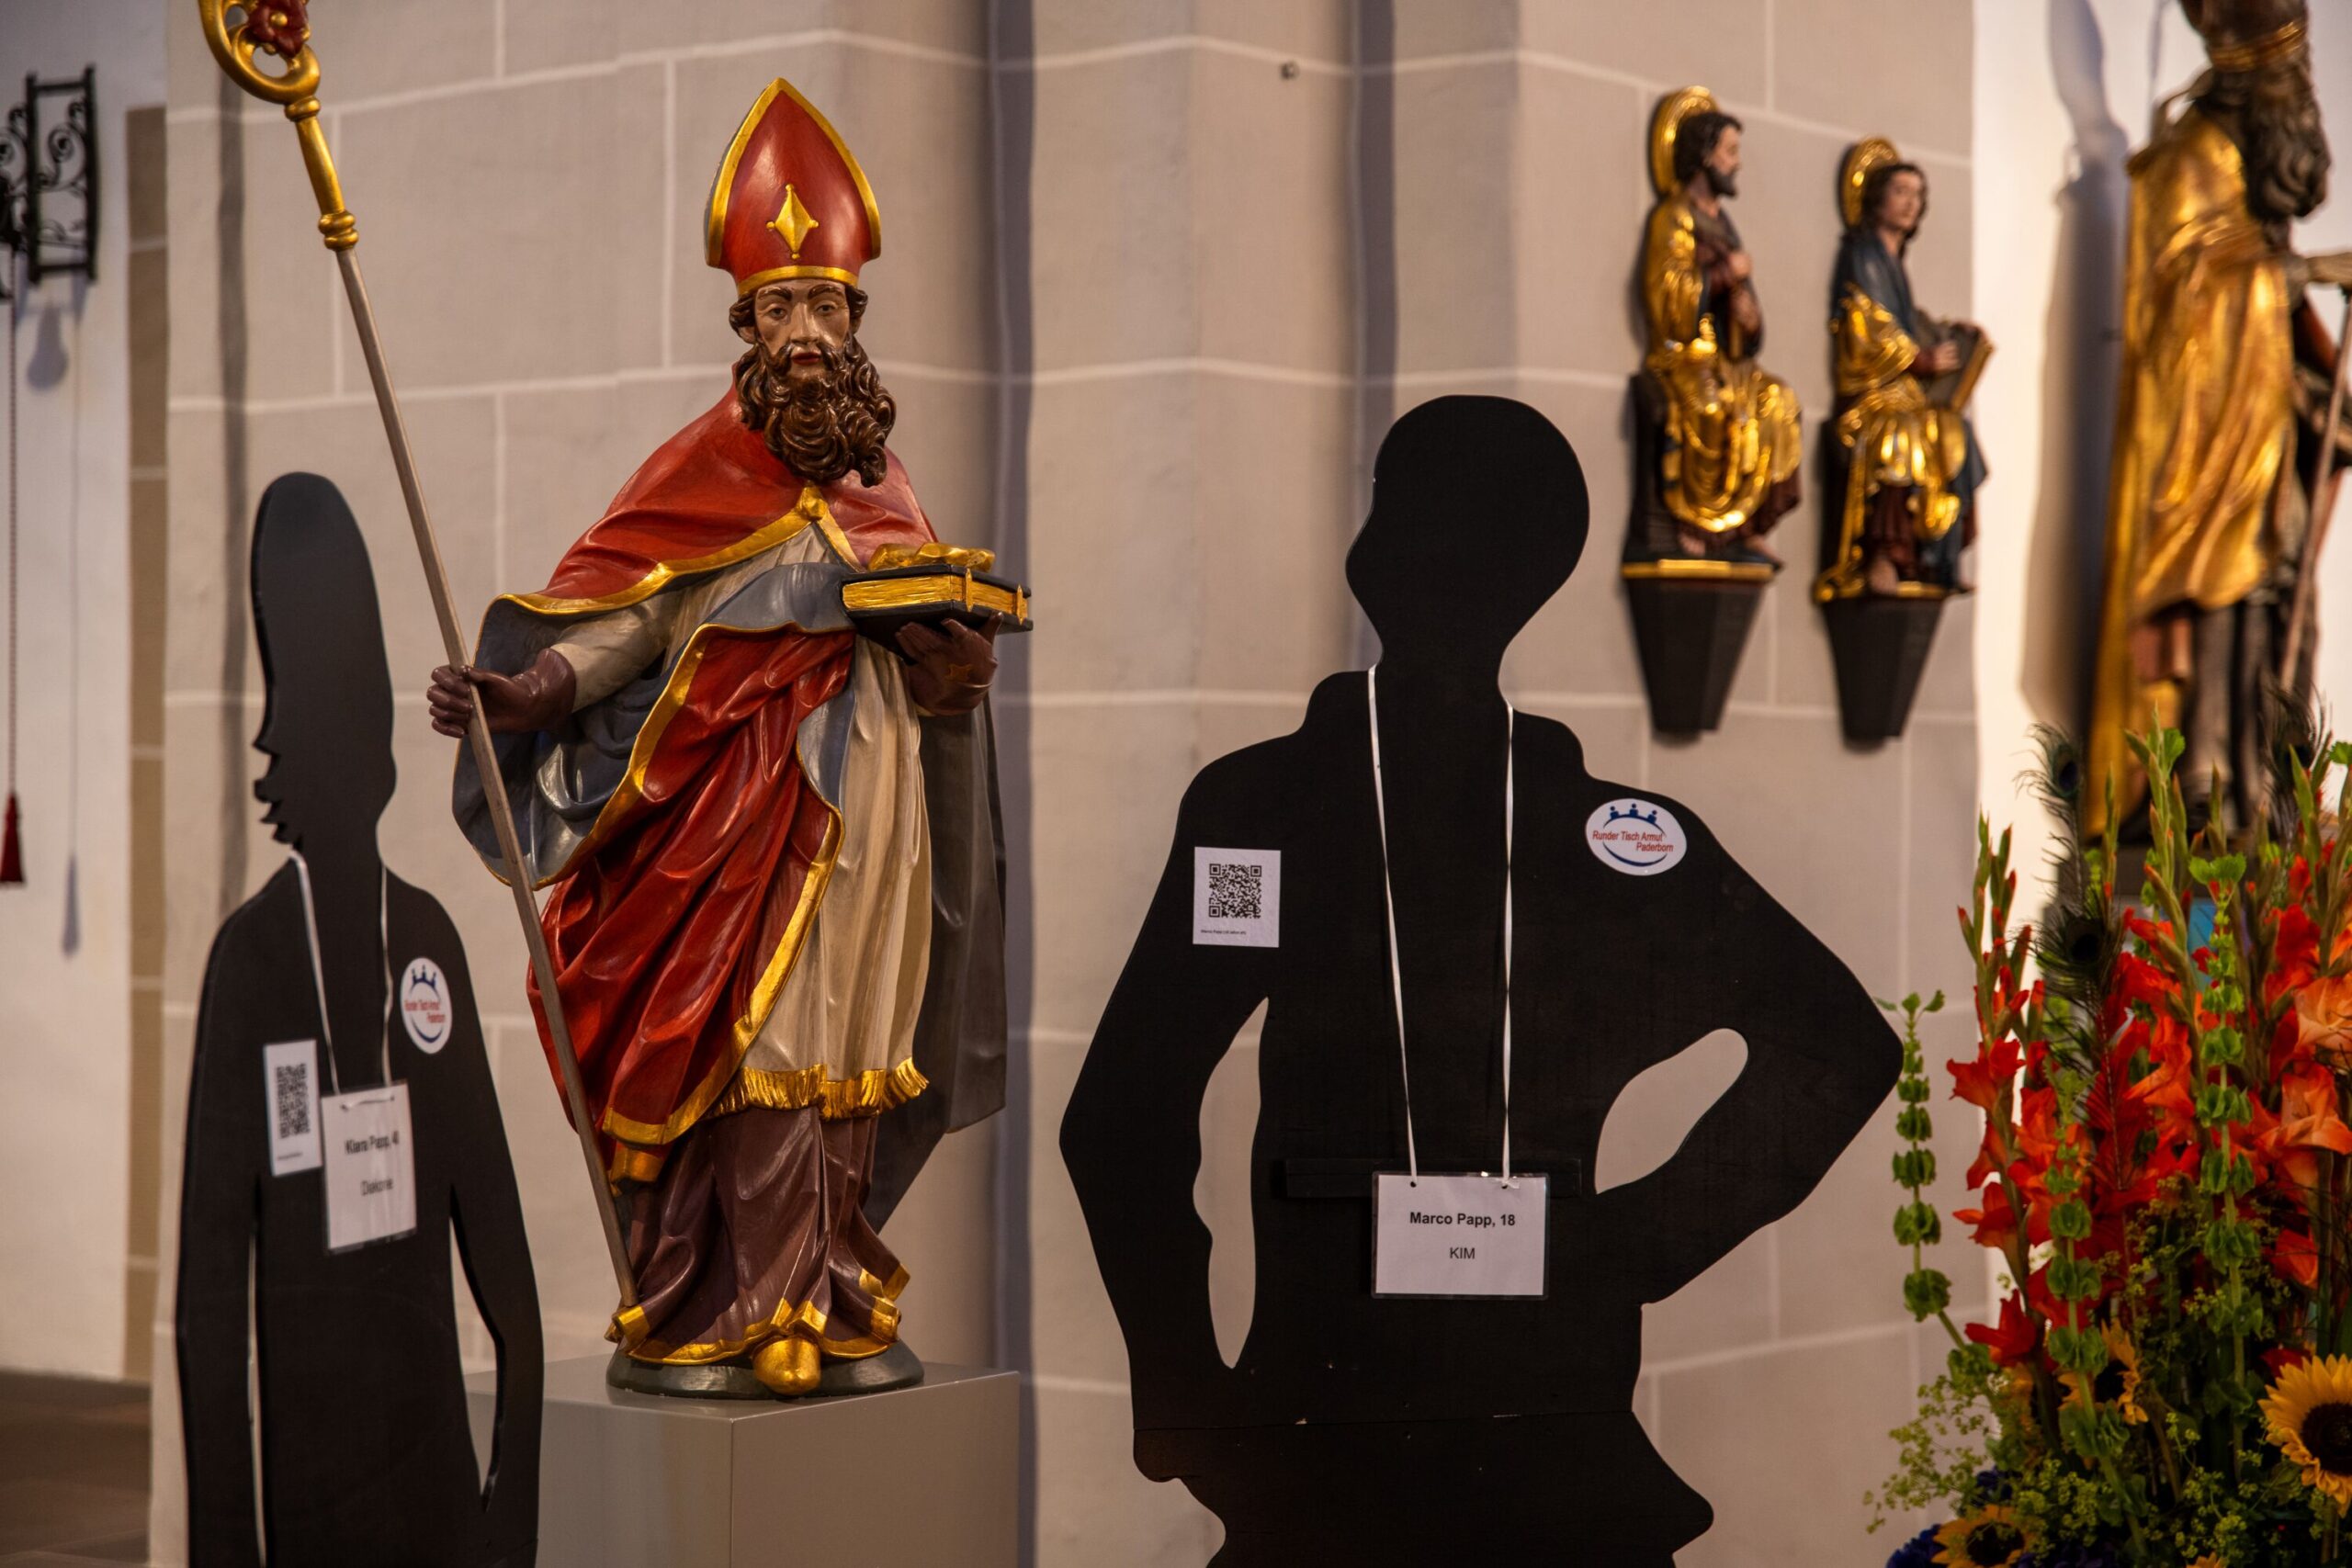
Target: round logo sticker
424, 1004
1639, 838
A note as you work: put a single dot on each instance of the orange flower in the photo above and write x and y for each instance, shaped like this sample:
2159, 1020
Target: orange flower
2296, 1257
2012, 1341
2306, 1121
2164, 1089
1995, 1222
1980, 1082
2324, 1019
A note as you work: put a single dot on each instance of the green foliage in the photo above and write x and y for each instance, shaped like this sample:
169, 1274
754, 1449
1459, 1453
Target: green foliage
1944, 1446
1927, 1292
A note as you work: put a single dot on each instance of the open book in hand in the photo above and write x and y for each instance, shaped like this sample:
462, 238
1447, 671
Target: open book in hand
934, 585
1955, 386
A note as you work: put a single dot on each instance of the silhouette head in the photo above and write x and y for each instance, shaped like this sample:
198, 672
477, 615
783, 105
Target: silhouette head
1478, 514
327, 726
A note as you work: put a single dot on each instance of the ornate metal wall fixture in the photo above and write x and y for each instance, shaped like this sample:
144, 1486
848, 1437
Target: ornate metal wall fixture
49, 179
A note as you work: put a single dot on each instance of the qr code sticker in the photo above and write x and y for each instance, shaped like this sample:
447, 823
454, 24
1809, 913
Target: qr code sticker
293, 1099
1237, 892
1236, 897
291, 1084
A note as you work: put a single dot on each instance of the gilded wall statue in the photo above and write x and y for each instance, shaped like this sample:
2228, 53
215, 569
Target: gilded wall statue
1906, 497
2222, 395
1725, 434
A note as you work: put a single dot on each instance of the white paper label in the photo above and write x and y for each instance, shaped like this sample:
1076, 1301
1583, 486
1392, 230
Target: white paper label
371, 1167
1640, 838
424, 1004
1236, 897
1457, 1235
291, 1080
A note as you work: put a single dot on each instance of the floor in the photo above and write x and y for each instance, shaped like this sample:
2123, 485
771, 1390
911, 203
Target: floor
72, 1472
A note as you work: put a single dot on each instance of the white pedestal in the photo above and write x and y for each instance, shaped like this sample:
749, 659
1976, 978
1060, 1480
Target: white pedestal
922, 1477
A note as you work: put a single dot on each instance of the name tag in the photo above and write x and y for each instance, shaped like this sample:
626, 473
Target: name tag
371, 1167
1457, 1235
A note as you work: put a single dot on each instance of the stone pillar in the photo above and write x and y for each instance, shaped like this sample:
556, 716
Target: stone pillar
1193, 454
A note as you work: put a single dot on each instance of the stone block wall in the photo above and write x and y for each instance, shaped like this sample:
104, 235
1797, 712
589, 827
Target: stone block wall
1156, 277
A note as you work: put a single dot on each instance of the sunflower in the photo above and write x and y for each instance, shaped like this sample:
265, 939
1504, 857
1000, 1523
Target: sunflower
2309, 1411
1992, 1537
2116, 1383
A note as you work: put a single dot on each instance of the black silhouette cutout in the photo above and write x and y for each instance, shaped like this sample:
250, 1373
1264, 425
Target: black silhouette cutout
1362, 1431
365, 1452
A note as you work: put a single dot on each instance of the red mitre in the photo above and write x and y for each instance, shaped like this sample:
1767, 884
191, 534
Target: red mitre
789, 200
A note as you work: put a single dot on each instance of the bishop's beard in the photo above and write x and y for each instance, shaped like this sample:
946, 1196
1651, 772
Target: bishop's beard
824, 428
2273, 118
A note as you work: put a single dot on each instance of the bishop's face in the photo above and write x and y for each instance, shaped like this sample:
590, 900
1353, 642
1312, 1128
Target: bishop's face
802, 325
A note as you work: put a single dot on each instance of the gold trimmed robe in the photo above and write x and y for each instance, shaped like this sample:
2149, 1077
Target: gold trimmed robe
2205, 424
1732, 429
1892, 435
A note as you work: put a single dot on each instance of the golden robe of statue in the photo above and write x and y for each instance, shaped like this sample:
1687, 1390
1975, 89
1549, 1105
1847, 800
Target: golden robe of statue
1895, 438
2205, 426
1732, 431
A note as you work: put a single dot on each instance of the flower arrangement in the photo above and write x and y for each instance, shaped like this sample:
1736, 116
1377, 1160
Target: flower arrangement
2164, 1177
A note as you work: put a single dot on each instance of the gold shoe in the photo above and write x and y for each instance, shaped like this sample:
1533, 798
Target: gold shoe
788, 1366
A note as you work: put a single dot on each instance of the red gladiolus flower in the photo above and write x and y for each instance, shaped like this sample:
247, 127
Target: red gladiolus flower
2011, 1341
2278, 1358
2324, 1020
2136, 980
2164, 1092
2295, 954
1989, 1154
2295, 1258
1980, 1082
1995, 1222
2037, 1124
2306, 1123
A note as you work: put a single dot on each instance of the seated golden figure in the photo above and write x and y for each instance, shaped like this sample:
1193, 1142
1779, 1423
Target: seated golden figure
1912, 465
1725, 434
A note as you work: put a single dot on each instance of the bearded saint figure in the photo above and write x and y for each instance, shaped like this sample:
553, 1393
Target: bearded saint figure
1728, 442
2219, 416
772, 844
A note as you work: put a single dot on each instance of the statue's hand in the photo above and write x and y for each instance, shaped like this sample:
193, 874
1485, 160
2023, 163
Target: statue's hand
1944, 356
1739, 266
952, 666
537, 699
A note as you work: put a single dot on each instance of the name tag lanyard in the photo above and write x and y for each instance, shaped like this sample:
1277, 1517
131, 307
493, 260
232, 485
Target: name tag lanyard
318, 975
1388, 895
370, 1151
